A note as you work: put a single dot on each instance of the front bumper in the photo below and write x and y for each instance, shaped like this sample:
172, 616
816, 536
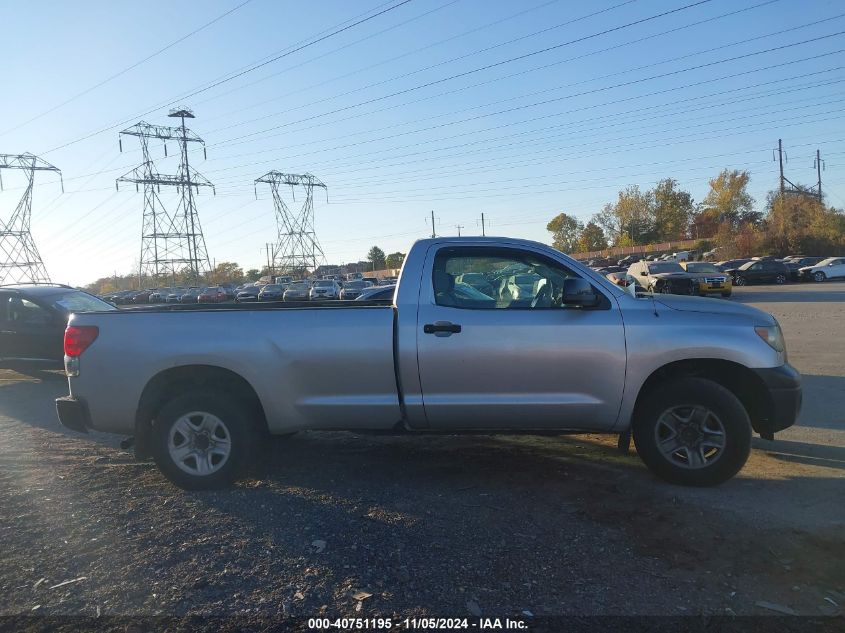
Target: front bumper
784, 387
73, 413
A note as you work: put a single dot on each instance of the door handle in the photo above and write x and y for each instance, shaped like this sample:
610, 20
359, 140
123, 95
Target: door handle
442, 328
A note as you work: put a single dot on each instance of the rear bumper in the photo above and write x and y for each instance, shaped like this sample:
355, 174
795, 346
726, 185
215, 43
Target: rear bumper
784, 387
73, 414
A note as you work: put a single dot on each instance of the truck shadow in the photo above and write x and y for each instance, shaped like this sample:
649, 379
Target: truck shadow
823, 405
415, 518
29, 398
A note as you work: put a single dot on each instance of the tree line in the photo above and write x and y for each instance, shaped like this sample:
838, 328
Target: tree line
727, 217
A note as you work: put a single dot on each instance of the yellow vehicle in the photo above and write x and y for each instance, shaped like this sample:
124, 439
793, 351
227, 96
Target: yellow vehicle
711, 280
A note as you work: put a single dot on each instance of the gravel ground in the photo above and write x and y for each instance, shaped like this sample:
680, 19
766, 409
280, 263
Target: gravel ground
364, 526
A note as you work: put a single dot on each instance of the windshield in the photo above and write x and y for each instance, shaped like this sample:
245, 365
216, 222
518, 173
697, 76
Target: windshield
664, 267
354, 285
323, 283
298, 286
700, 267
272, 288
76, 301
827, 261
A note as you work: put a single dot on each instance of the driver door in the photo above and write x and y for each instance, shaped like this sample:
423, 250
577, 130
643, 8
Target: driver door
488, 362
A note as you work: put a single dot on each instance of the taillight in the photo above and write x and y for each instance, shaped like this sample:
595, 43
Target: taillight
78, 338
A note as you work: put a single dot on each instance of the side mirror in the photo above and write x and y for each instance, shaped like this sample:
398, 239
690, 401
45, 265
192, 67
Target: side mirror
578, 293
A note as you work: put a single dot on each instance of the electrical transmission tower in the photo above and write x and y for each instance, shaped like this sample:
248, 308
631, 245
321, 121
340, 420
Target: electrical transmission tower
297, 249
171, 242
19, 259
795, 189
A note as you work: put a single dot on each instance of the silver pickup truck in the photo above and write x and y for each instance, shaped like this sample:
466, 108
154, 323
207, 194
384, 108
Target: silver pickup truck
486, 335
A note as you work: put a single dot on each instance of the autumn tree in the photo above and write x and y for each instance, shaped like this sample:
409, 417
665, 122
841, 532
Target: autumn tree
376, 257
591, 239
565, 232
227, 271
394, 260
634, 210
729, 201
673, 211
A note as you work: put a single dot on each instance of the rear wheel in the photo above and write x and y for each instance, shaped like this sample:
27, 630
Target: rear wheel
692, 431
819, 276
780, 279
201, 440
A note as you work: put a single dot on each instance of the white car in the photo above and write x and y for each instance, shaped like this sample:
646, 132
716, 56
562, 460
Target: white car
325, 289
829, 268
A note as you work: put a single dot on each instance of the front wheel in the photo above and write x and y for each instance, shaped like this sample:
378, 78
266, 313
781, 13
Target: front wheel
692, 431
201, 440
819, 276
780, 279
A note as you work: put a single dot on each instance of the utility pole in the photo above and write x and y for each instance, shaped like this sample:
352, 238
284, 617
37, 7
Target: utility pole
169, 241
271, 265
459, 227
296, 245
19, 258
780, 160
819, 165
483, 232
433, 233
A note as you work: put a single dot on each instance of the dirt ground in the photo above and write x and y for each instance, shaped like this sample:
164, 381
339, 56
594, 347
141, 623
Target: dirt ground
442, 526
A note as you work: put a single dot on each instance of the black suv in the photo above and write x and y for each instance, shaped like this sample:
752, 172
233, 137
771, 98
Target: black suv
765, 271
33, 318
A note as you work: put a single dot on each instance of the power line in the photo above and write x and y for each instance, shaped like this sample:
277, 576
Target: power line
233, 76
126, 70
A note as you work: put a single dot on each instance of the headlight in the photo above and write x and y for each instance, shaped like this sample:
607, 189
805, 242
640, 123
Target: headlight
772, 335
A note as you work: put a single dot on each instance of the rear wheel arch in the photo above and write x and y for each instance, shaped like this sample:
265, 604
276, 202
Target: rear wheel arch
168, 384
746, 385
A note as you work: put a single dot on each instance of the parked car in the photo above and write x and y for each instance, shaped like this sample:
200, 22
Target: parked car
298, 291
142, 296
191, 295
727, 264
272, 292
830, 268
159, 296
629, 259
33, 318
325, 289
759, 271
120, 298
710, 279
211, 294
249, 293
664, 277
176, 294
352, 289
711, 254
795, 264
477, 281
689, 378
377, 293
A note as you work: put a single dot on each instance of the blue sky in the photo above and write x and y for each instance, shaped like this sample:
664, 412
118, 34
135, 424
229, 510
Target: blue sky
519, 110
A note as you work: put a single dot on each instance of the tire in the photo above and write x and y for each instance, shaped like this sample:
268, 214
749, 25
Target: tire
692, 404
739, 281
780, 280
229, 440
819, 276
725, 295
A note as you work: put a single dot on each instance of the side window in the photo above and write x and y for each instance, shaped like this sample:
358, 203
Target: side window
757, 267
25, 311
483, 278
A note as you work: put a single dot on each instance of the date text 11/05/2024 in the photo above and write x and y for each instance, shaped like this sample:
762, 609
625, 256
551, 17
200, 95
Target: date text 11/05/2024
409, 624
